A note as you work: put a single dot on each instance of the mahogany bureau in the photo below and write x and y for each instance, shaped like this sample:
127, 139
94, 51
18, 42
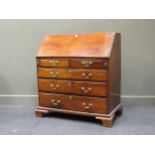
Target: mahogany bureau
80, 74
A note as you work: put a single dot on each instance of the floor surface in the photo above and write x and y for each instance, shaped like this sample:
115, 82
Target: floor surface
17, 119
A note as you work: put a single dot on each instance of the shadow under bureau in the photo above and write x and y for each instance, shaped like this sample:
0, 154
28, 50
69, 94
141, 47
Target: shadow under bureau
80, 74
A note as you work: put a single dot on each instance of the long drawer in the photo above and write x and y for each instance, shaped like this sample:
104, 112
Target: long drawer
73, 87
72, 102
77, 74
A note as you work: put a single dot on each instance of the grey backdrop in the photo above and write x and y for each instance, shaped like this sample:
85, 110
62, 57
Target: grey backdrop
20, 40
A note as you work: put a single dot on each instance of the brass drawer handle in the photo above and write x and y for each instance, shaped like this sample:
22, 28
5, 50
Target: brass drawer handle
82, 88
83, 103
90, 74
54, 62
86, 106
83, 74
86, 90
54, 87
86, 63
70, 98
56, 102
90, 104
105, 64
86, 76
54, 74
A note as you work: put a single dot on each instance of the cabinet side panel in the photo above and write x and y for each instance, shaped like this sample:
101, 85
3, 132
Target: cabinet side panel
37, 66
114, 74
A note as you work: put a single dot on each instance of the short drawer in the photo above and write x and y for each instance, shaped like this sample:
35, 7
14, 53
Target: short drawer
54, 62
73, 102
89, 63
77, 74
73, 87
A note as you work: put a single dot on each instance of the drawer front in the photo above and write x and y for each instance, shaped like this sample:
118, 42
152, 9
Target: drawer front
54, 101
77, 74
72, 102
54, 86
53, 73
89, 104
54, 62
89, 74
90, 88
73, 87
89, 63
